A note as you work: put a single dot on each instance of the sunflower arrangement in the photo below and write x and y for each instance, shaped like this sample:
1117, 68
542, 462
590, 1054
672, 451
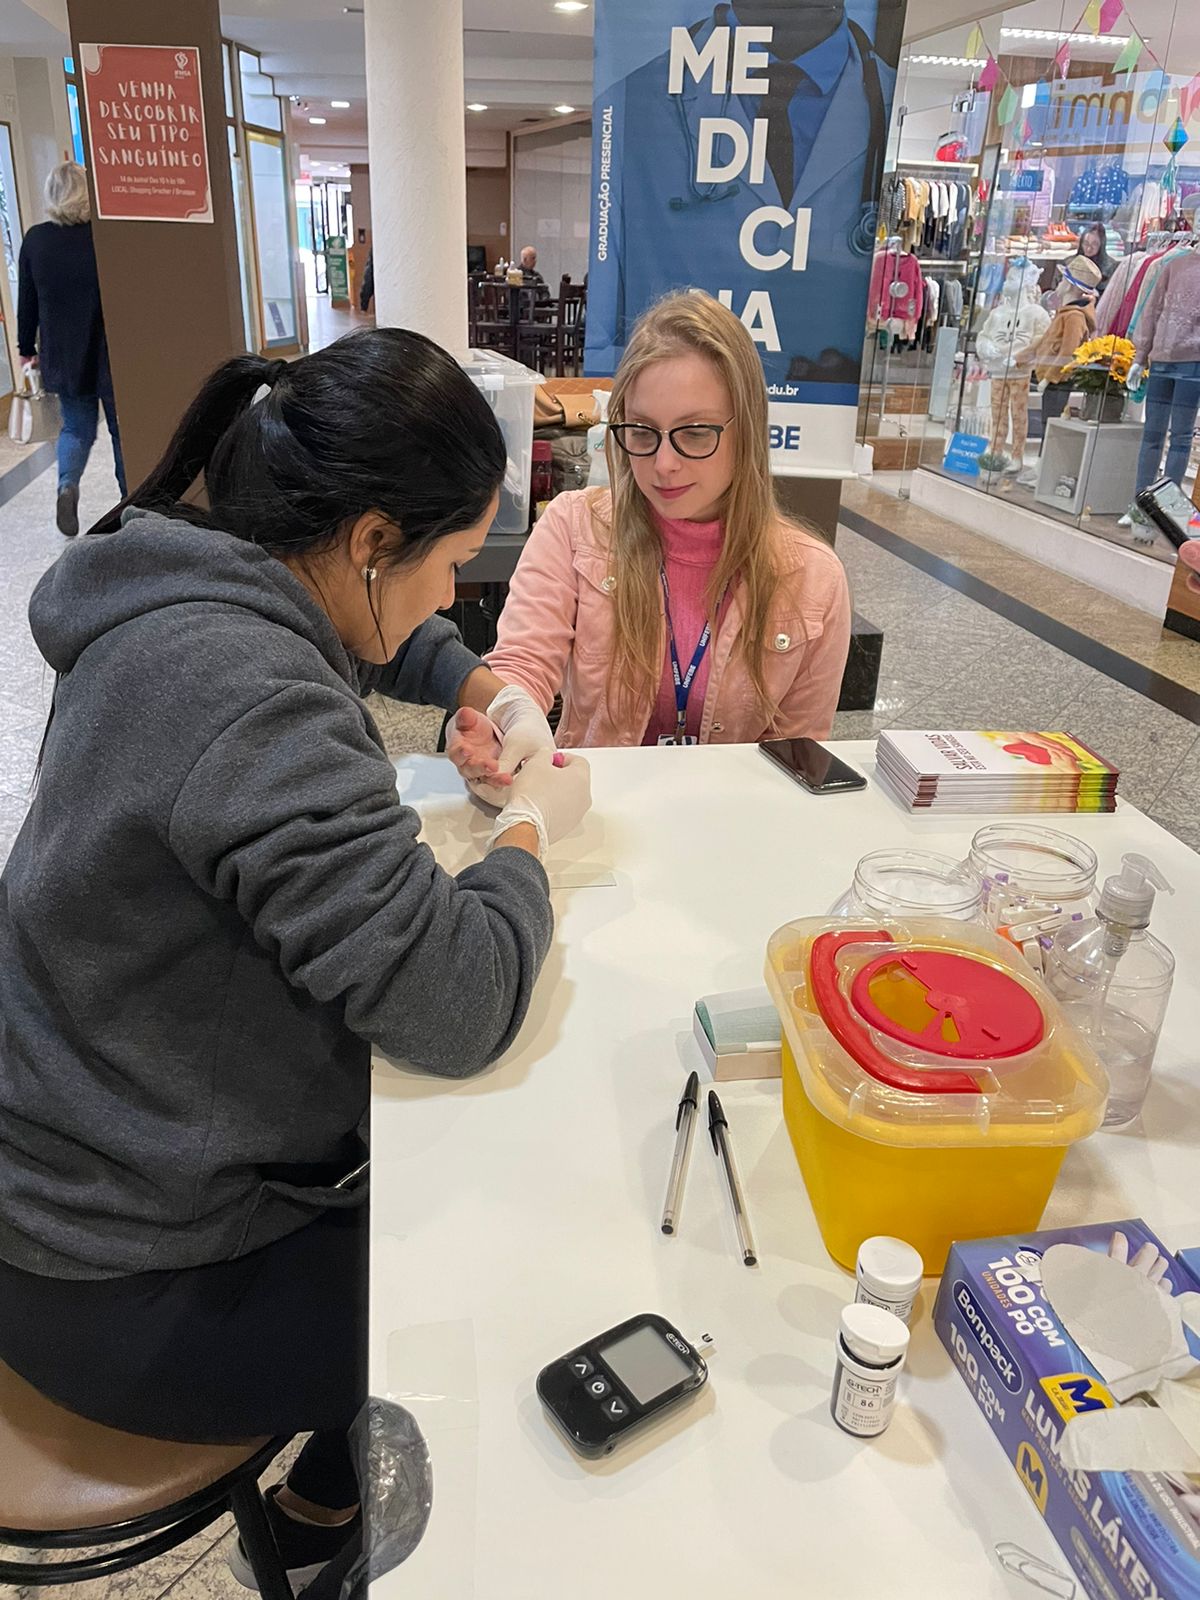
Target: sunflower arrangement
1100, 362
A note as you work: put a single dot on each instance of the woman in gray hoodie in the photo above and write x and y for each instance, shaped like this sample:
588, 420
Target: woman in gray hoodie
217, 902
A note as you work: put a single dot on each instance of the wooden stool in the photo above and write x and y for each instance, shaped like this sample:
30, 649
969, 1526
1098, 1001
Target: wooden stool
69, 1484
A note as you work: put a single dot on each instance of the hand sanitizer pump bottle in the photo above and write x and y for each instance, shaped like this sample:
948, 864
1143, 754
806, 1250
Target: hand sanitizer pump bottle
1114, 980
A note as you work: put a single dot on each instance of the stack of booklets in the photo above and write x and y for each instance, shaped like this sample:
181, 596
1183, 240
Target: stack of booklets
989, 771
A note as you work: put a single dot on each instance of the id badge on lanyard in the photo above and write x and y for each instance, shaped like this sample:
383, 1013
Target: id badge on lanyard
683, 680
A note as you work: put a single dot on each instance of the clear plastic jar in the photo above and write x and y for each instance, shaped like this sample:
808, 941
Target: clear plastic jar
894, 884
1027, 871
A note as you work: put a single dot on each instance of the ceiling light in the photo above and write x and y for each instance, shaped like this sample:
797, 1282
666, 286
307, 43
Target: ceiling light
340, 105
949, 61
563, 111
476, 105
317, 122
570, 5
1115, 40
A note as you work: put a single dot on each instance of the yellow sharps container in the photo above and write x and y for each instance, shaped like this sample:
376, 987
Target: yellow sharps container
930, 1084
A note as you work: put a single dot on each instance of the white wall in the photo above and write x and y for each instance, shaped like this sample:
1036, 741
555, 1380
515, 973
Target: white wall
45, 128
551, 189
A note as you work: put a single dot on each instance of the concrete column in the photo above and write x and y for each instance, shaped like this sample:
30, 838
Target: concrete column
170, 290
418, 166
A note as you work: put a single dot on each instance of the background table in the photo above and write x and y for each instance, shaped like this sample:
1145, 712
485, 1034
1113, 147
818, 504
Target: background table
517, 1213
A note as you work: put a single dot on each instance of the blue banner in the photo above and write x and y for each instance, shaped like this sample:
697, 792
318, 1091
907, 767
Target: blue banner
741, 152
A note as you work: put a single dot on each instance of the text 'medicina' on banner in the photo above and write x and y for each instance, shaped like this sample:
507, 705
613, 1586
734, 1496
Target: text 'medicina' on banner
741, 152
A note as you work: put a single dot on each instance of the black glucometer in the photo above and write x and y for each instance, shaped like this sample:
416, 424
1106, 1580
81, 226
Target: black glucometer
619, 1381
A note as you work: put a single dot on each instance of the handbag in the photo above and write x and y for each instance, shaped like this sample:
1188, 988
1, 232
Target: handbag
34, 415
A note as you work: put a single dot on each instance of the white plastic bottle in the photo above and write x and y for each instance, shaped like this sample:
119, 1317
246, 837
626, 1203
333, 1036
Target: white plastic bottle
871, 1348
596, 440
1114, 979
888, 1273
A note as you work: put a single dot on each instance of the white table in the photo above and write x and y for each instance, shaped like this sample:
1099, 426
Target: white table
516, 1214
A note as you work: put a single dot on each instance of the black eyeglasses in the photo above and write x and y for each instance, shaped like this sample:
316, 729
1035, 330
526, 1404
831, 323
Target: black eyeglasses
695, 440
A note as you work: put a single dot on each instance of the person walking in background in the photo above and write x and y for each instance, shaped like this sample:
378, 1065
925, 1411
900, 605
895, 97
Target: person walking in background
60, 331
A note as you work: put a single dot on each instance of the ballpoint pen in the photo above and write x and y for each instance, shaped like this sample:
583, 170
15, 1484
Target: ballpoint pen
718, 1129
685, 1127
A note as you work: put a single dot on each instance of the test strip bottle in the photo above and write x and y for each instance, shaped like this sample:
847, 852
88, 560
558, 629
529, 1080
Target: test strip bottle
871, 1348
888, 1274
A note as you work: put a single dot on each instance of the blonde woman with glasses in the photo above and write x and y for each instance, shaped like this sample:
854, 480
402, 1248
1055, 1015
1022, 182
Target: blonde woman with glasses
682, 607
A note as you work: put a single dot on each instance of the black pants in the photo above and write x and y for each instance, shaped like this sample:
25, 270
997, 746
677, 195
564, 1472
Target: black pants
1054, 403
271, 1343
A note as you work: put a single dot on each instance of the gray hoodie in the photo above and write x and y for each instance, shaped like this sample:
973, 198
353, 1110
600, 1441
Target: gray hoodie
216, 900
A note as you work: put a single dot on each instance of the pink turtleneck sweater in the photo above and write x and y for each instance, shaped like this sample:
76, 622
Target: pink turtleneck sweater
690, 552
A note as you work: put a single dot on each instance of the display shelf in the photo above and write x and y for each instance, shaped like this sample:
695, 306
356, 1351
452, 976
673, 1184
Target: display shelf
1104, 478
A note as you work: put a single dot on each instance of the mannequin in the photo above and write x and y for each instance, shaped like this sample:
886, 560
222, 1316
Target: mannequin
1005, 340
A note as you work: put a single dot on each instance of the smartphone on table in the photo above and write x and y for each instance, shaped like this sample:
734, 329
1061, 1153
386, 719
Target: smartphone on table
1171, 510
811, 765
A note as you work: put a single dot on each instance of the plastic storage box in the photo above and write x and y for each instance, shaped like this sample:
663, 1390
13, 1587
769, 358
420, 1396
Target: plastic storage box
930, 1086
509, 388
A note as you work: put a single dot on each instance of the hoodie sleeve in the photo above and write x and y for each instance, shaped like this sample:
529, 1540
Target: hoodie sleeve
292, 816
429, 668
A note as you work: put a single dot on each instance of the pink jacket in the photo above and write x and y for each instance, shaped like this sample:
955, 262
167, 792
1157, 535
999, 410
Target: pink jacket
556, 635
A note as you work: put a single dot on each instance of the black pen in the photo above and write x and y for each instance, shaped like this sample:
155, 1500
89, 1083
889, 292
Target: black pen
685, 1125
718, 1129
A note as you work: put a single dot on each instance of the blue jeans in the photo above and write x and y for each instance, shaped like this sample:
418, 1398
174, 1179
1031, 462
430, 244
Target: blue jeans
1172, 400
80, 415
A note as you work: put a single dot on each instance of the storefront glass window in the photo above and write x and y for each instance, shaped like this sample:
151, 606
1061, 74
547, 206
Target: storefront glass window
260, 105
269, 189
238, 177
73, 115
1043, 179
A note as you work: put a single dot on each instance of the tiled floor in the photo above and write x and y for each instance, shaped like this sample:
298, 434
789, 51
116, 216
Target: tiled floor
947, 661
950, 662
1134, 633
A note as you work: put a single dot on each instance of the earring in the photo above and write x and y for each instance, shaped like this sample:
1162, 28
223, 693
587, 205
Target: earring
368, 573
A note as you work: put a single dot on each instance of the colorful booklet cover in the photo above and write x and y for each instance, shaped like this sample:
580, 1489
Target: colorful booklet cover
991, 769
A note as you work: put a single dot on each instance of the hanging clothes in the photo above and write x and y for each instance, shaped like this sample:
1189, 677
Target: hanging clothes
897, 293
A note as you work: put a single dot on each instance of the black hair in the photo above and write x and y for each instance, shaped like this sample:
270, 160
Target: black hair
1102, 260
383, 420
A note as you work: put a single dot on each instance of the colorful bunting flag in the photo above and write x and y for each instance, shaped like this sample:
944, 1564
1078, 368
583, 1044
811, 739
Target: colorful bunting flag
1026, 130
975, 45
1062, 59
1091, 17
1128, 59
1110, 13
989, 74
1007, 108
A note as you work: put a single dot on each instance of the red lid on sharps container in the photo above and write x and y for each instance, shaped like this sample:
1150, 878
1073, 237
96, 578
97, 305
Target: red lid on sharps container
969, 1010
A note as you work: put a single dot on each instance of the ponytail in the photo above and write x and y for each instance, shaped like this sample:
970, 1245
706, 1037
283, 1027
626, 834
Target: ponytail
381, 421
226, 395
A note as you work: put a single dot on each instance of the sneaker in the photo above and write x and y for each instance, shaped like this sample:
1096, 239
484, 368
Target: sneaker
66, 513
304, 1547
1133, 518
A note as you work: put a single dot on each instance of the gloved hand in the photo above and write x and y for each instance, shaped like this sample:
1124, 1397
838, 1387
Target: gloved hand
553, 799
522, 730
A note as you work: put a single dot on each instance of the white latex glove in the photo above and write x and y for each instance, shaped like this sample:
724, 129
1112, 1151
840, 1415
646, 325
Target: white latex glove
1148, 1261
523, 731
554, 799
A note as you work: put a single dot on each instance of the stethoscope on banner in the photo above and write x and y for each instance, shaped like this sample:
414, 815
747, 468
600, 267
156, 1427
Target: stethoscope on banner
861, 233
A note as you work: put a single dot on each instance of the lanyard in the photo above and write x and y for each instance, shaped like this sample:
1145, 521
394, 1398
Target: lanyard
683, 680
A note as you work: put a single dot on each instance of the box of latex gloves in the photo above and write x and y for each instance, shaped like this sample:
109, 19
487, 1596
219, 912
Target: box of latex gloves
1082, 1349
